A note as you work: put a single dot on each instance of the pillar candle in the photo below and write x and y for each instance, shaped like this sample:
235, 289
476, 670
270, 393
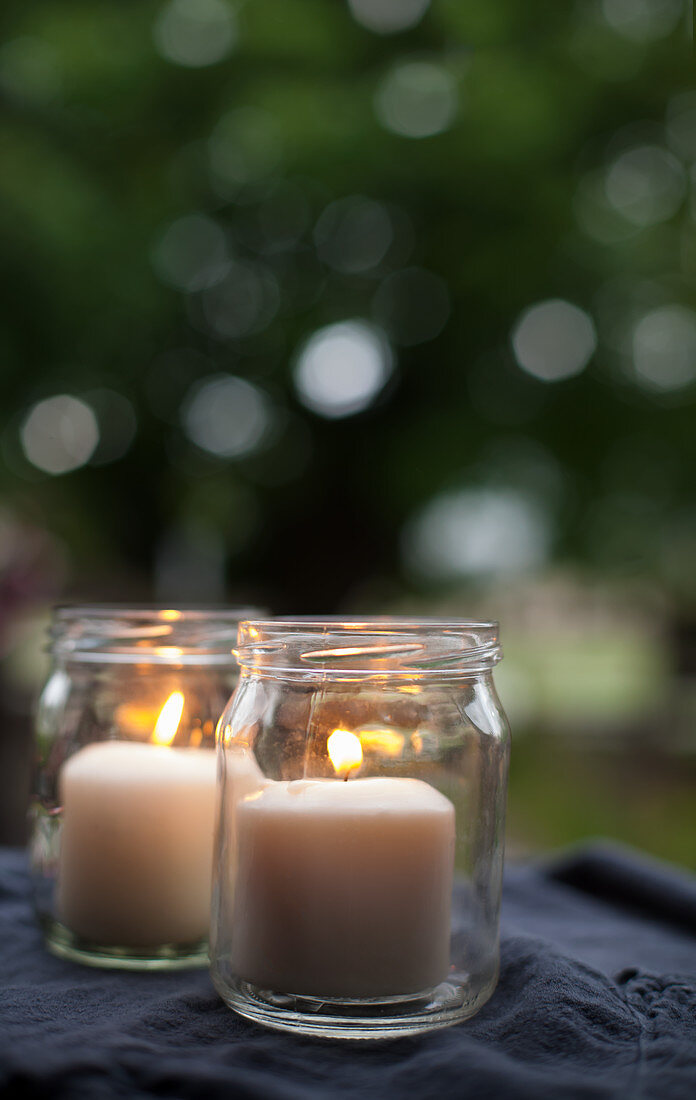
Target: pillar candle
137, 840
343, 889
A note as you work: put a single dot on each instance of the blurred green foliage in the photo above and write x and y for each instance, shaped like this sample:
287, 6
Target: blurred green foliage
563, 791
107, 141
190, 190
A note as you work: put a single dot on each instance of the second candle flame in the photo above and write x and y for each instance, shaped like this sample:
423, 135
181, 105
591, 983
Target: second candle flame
345, 752
169, 717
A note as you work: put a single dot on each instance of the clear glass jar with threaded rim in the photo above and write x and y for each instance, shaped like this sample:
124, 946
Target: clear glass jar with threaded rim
124, 798
362, 772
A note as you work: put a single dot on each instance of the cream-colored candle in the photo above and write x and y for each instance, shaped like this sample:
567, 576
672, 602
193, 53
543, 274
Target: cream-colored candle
343, 889
137, 840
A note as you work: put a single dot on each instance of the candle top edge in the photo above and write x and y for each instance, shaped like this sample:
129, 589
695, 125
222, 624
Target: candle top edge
116, 761
393, 795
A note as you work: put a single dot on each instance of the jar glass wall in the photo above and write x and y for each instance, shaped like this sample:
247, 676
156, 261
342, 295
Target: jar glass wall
363, 770
124, 806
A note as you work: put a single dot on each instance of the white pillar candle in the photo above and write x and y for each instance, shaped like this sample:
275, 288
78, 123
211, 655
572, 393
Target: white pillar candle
136, 848
343, 889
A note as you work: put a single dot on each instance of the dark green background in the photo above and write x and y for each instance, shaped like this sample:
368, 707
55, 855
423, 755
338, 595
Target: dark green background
105, 142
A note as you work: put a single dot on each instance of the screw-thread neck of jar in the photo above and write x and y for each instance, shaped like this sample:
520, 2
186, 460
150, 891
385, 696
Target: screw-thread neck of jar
438, 648
157, 635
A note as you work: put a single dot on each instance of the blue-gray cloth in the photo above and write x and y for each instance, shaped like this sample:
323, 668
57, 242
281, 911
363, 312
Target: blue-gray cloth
597, 998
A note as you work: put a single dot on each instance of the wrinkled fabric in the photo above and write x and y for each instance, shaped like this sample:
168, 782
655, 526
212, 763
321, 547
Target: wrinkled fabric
596, 999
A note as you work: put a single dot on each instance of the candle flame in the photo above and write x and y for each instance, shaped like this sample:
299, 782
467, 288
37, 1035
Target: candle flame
169, 717
345, 752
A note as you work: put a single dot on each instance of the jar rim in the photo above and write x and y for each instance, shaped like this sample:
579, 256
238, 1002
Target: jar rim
368, 645
162, 612
339, 622
145, 633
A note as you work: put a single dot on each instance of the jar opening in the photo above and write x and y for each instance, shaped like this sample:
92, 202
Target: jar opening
160, 635
369, 646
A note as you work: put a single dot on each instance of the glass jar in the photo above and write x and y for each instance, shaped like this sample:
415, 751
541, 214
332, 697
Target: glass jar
363, 770
124, 806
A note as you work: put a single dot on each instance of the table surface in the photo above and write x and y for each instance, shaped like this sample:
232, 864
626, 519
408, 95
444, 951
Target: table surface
597, 998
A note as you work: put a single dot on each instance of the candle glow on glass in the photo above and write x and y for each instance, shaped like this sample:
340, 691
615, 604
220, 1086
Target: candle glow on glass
345, 752
168, 722
135, 720
169, 652
385, 741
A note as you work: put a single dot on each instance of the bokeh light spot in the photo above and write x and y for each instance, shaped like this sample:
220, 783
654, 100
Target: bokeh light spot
416, 99
192, 253
388, 16
681, 125
477, 532
244, 302
645, 185
195, 33
664, 348
29, 69
342, 368
554, 340
245, 148
226, 416
353, 234
412, 305
595, 215
59, 434
643, 20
